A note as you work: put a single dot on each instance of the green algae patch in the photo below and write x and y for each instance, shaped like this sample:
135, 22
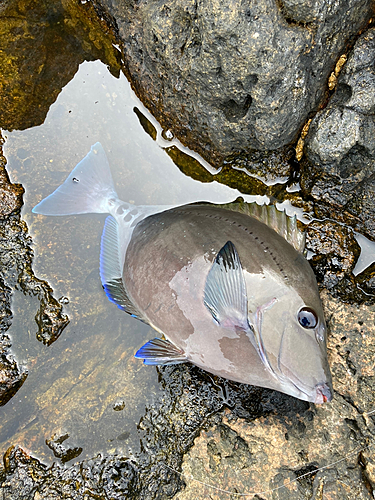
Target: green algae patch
42, 45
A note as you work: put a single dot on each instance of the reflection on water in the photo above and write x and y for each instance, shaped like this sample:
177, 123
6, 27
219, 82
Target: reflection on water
78, 385
367, 256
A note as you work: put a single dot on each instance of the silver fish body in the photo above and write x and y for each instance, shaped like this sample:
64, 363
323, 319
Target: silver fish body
166, 266
225, 290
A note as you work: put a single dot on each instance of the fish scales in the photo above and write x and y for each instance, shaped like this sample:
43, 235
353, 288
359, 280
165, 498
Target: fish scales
169, 286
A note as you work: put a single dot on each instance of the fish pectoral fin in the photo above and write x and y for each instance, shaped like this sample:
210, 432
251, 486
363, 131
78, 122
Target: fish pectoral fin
225, 293
160, 352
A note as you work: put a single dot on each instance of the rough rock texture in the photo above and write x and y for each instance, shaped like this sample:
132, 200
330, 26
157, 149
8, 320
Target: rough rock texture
241, 439
340, 145
12, 376
15, 272
335, 254
233, 76
229, 76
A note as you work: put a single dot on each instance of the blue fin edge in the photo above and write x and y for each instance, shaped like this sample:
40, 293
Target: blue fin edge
160, 352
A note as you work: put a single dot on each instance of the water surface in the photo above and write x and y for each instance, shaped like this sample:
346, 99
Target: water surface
80, 383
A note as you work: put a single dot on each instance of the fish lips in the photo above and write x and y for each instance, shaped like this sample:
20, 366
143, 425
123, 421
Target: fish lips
323, 394
319, 393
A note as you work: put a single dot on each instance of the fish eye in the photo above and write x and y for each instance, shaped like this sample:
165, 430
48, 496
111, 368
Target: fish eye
307, 317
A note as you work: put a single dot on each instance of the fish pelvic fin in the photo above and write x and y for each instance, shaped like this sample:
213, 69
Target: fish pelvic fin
160, 352
88, 188
225, 293
111, 269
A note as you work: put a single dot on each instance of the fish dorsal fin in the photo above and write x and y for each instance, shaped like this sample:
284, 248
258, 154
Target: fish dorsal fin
285, 225
111, 268
160, 352
225, 290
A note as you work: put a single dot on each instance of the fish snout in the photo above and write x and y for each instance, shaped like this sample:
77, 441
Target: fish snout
323, 394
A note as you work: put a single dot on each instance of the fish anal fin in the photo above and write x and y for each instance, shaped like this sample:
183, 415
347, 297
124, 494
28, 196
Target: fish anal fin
111, 269
160, 352
225, 293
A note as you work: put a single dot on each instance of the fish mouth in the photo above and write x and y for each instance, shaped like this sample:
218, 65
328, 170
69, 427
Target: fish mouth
323, 394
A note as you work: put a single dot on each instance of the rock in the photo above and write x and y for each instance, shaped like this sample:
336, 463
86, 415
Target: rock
10, 194
12, 376
237, 438
340, 145
64, 452
335, 254
42, 46
270, 453
10, 198
223, 84
226, 76
301, 11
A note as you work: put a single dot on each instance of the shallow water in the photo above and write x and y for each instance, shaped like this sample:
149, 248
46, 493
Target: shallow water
74, 385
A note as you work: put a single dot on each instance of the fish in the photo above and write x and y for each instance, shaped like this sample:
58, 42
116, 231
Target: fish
226, 287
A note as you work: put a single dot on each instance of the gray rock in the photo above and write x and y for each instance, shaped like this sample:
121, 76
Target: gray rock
15, 272
238, 438
340, 145
229, 76
12, 376
302, 11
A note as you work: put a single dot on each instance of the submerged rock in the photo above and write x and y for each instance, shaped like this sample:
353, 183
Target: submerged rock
241, 439
226, 77
15, 272
340, 145
63, 451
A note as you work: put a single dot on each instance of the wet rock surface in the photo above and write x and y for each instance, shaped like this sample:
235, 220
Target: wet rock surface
237, 438
340, 145
42, 45
61, 450
335, 254
15, 273
231, 76
12, 376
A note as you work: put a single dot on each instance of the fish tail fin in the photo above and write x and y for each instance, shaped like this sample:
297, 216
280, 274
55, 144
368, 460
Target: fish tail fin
88, 188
